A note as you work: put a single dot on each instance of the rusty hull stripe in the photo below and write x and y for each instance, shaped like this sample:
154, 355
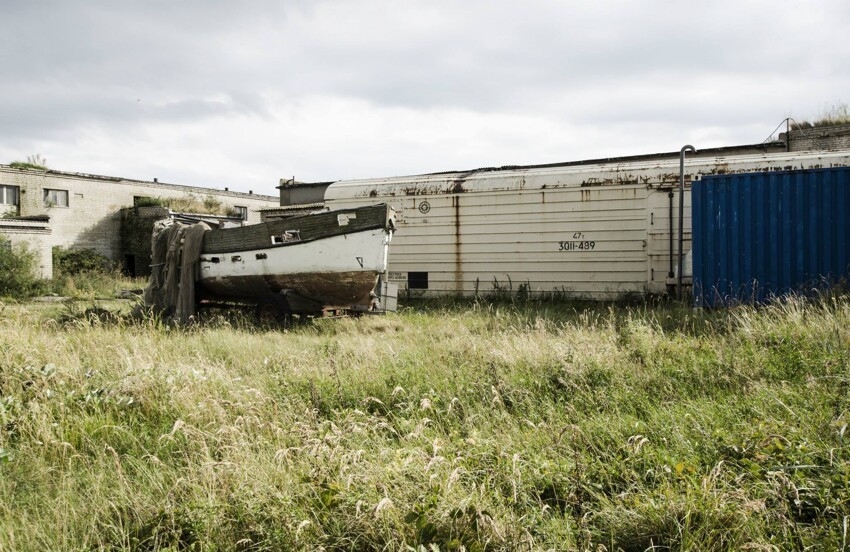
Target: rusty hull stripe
328, 288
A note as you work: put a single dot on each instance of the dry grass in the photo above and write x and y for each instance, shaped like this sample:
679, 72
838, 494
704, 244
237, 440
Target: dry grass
457, 427
836, 114
193, 203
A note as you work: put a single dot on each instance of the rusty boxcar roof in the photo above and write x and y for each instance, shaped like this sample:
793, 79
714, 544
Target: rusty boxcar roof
649, 172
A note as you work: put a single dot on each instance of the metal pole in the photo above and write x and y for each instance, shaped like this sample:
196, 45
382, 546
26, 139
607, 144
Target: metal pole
679, 291
788, 134
670, 272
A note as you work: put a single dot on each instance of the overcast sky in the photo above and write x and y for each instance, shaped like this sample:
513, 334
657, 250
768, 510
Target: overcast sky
240, 94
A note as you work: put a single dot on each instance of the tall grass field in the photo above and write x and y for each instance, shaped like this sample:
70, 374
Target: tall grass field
453, 426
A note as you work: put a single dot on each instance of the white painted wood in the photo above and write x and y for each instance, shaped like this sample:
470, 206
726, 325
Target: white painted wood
359, 252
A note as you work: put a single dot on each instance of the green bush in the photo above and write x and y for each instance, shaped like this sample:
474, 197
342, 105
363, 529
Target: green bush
212, 204
149, 202
17, 271
26, 165
191, 203
35, 161
86, 273
76, 261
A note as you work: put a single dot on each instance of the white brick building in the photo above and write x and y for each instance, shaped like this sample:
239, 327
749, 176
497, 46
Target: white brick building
33, 234
83, 210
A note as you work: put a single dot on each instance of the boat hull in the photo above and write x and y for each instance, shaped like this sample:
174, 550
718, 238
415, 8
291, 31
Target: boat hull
339, 271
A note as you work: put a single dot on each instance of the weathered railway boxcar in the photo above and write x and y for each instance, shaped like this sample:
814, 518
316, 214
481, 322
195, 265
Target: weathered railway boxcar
593, 231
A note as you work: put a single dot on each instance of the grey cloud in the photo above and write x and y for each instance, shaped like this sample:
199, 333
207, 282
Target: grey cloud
602, 65
479, 55
51, 112
475, 56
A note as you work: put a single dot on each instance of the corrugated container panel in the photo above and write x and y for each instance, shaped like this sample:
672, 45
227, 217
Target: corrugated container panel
760, 235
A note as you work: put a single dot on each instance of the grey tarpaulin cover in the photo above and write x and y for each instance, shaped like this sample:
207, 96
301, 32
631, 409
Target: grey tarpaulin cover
175, 250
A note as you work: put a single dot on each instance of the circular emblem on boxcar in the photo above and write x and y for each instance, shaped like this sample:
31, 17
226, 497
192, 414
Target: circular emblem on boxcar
424, 207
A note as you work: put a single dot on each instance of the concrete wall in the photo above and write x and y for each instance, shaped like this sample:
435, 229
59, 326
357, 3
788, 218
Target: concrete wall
35, 236
831, 138
300, 193
92, 218
136, 232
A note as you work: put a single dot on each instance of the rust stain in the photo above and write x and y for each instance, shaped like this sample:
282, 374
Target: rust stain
585, 195
628, 179
457, 185
595, 182
328, 288
620, 180
454, 186
669, 178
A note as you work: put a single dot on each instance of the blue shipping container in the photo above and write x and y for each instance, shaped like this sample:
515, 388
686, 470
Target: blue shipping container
759, 235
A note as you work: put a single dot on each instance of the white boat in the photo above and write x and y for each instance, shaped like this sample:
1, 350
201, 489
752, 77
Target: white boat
301, 264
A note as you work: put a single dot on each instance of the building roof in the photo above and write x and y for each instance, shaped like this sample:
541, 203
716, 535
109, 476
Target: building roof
149, 183
655, 171
765, 147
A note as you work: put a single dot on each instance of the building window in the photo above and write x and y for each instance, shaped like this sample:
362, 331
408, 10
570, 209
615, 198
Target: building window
241, 212
417, 280
9, 195
56, 198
